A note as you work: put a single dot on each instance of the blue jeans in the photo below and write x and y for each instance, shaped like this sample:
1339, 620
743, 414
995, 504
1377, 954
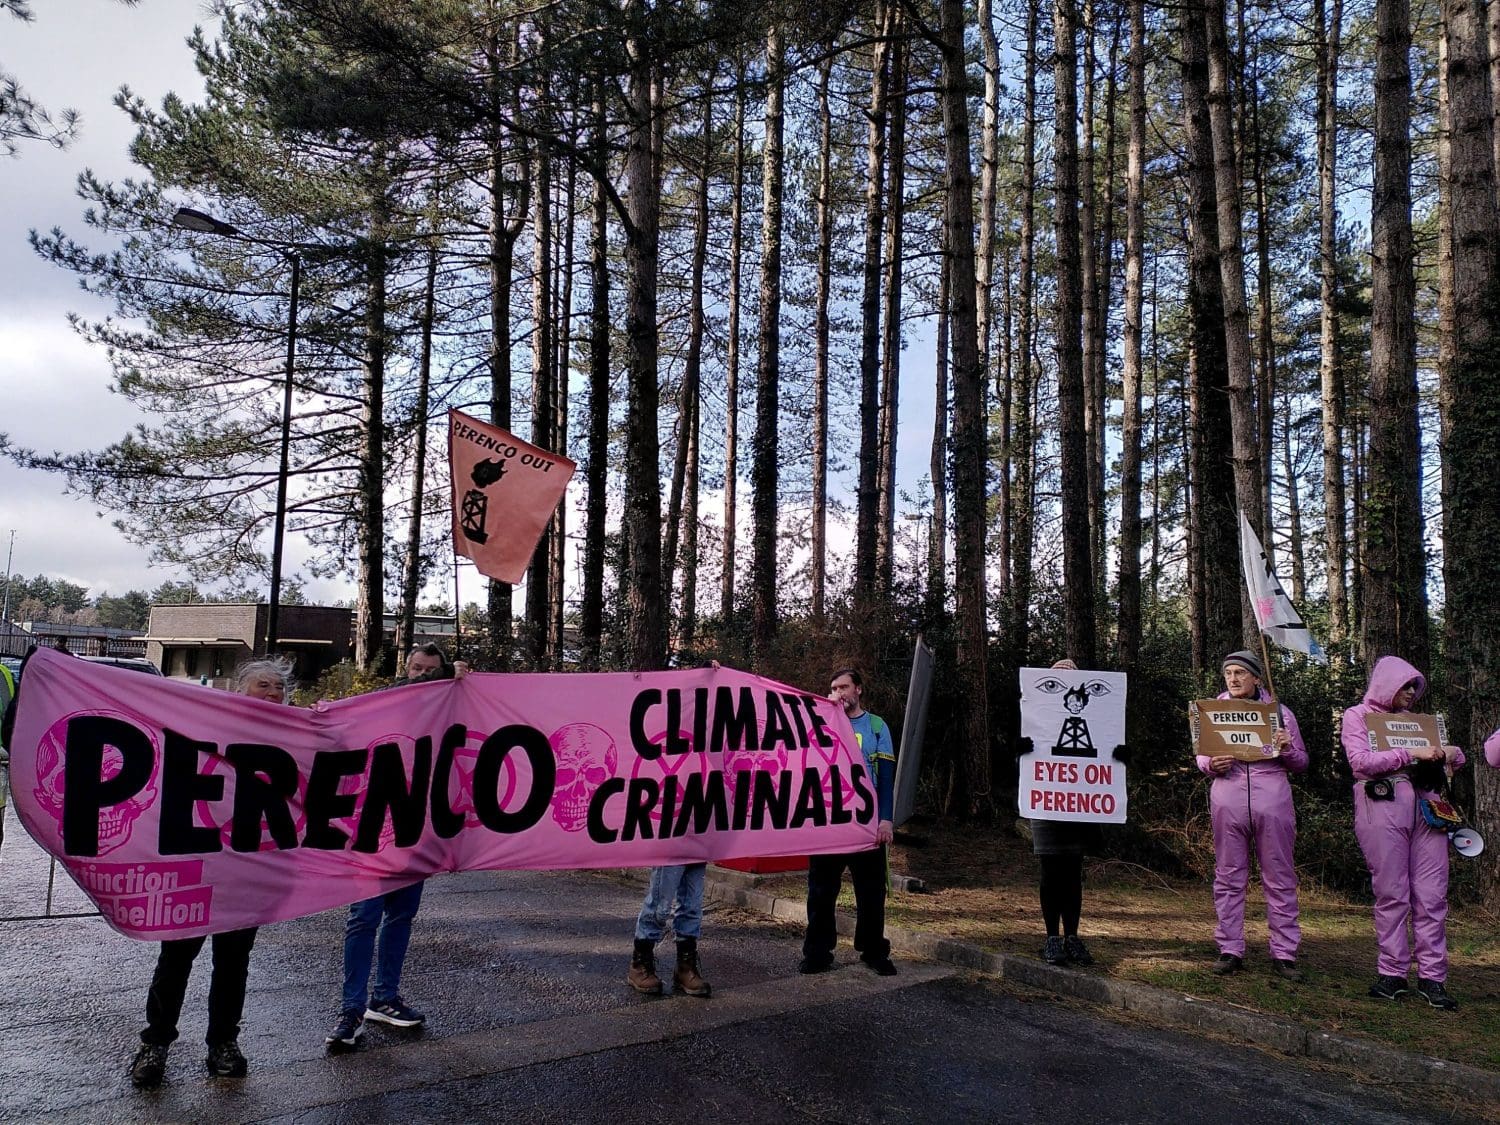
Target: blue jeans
398, 909
684, 883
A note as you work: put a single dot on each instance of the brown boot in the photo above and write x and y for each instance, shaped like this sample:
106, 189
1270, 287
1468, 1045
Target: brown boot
643, 976
687, 979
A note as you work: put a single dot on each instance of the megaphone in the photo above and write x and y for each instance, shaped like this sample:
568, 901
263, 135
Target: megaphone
1466, 842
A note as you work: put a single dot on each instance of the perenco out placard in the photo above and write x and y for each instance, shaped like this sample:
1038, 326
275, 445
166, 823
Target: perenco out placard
1235, 728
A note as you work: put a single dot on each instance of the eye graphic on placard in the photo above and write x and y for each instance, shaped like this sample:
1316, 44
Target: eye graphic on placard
116, 822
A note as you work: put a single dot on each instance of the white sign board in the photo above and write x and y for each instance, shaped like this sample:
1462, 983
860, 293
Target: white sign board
1074, 721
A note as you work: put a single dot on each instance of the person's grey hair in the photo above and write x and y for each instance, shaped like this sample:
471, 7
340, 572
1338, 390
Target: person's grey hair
275, 665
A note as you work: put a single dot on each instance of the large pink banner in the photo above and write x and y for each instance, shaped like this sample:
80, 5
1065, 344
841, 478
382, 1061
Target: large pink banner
181, 810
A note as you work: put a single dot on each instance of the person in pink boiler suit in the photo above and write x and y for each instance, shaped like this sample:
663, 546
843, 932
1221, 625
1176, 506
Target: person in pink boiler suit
1408, 860
1251, 804
1492, 749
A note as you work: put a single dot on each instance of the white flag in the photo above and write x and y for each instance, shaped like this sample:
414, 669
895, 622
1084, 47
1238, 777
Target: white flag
1273, 609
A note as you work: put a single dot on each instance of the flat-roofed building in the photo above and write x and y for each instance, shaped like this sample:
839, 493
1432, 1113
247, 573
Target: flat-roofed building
207, 641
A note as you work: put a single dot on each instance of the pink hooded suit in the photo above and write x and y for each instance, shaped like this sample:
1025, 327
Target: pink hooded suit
1408, 860
1253, 803
1492, 749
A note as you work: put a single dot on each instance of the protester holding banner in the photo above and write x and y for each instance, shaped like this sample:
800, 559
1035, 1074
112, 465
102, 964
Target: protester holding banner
266, 680
1251, 805
867, 869
676, 893
1408, 859
379, 929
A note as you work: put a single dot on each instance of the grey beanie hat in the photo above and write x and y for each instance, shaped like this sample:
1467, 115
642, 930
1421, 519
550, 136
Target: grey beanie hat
1248, 660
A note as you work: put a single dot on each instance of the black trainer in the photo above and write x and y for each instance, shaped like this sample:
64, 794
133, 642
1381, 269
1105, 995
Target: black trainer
345, 1034
1389, 988
225, 1060
149, 1066
1226, 964
809, 965
1054, 952
1435, 994
1077, 952
880, 966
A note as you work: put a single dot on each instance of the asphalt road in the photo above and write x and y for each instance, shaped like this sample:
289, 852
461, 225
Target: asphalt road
522, 977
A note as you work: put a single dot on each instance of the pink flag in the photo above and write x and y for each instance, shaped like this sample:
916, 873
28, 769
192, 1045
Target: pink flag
183, 811
504, 492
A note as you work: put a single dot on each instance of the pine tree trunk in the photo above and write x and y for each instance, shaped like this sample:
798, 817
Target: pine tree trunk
1394, 613
369, 596
989, 182
1293, 501
591, 613
764, 472
1130, 453
890, 380
1093, 401
692, 377
1265, 342
867, 509
1216, 526
1248, 489
688, 616
937, 460
821, 328
692, 371
1330, 378
1078, 575
1472, 570
1104, 283
1023, 441
562, 369
732, 357
968, 418
543, 379
503, 234
411, 570
1492, 12
645, 630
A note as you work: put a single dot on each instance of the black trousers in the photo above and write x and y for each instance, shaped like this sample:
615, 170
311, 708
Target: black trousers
824, 874
1061, 892
226, 991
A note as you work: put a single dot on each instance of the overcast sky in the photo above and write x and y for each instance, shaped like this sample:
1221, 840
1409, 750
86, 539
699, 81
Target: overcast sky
54, 388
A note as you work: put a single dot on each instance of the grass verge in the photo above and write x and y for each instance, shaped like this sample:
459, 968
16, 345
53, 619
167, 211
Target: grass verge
1144, 927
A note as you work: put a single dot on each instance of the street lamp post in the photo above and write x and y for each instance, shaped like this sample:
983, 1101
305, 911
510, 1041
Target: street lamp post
203, 223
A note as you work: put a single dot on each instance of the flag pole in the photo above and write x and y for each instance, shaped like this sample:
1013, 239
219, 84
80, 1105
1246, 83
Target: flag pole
458, 608
1265, 661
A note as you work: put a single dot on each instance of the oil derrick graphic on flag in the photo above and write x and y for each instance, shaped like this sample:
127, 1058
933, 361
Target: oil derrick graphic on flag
504, 492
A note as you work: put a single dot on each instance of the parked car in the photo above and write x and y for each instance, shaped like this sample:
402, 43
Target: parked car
134, 663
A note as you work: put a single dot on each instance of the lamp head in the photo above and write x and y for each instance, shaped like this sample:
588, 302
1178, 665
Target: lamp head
202, 222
